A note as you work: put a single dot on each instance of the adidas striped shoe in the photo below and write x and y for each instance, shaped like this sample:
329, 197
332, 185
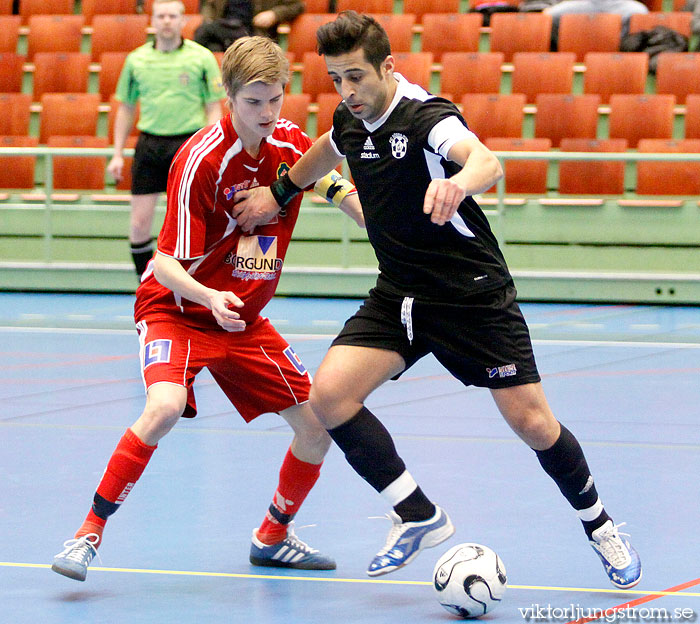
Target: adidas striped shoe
291, 552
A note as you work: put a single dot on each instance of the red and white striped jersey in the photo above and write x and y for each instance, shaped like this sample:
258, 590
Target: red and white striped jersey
201, 233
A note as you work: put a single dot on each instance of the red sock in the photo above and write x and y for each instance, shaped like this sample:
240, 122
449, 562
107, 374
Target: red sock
296, 480
126, 465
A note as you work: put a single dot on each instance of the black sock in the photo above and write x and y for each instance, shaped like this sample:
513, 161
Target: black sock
565, 462
141, 254
370, 450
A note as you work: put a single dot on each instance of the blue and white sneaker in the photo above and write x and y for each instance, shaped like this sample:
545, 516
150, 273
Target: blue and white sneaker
291, 552
407, 539
620, 559
73, 562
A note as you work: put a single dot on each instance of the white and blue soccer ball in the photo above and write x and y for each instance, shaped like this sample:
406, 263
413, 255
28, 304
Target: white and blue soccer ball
469, 580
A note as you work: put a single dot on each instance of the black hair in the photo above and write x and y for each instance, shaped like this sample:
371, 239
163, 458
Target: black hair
351, 31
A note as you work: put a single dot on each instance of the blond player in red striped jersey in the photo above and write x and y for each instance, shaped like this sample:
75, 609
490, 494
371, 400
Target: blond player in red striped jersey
200, 300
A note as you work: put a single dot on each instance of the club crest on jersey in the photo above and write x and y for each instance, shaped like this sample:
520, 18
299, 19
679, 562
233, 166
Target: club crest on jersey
294, 360
255, 258
399, 144
156, 352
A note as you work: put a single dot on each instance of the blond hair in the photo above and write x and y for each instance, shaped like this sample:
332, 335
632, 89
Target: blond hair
253, 59
179, 2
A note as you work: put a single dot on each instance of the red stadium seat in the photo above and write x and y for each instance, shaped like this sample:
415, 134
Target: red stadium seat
314, 77
635, 117
60, 72
678, 73
27, 8
471, 72
9, 32
581, 33
493, 114
302, 32
542, 72
17, 172
420, 7
444, 32
692, 116
295, 108
68, 113
615, 72
596, 177
415, 67
78, 172
327, 103
520, 32
561, 116
11, 72
117, 33
15, 113
523, 176
54, 33
677, 177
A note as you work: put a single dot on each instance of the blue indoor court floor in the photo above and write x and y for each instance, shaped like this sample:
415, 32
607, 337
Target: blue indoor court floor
624, 379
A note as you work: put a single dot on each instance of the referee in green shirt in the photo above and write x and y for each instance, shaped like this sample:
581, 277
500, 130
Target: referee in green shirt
177, 83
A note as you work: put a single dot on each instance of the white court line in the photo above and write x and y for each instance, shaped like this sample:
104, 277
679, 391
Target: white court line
569, 342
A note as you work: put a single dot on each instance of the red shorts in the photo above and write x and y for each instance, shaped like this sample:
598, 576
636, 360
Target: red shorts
256, 368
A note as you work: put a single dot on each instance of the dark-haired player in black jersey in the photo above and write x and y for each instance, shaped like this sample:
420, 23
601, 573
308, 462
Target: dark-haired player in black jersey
443, 288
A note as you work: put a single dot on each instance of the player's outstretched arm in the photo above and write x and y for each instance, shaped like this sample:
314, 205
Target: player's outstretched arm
480, 171
258, 205
171, 274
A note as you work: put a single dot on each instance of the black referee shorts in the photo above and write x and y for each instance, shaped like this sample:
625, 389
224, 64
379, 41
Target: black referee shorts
483, 341
152, 157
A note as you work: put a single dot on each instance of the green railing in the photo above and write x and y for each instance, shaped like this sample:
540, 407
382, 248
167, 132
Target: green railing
48, 154
553, 246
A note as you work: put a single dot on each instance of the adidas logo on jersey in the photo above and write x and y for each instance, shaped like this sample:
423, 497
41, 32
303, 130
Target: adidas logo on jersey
369, 150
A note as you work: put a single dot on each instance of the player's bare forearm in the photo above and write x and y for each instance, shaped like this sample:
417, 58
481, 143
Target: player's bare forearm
351, 206
480, 171
171, 274
317, 162
480, 167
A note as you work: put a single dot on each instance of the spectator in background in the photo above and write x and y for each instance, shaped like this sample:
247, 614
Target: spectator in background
227, 20
625, 8
177, 83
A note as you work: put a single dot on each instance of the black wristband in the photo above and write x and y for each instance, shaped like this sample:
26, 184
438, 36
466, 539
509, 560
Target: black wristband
284, 190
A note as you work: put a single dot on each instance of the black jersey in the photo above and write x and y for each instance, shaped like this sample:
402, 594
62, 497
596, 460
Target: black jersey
392, 162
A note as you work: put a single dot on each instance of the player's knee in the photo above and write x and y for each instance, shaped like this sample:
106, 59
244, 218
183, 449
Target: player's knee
163, 413
535, 427
314, 437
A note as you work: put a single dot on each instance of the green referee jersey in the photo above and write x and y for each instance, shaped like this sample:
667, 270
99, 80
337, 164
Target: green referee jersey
171, 87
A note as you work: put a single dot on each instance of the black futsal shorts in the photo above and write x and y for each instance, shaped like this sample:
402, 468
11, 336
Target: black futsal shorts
152, 157
483, 341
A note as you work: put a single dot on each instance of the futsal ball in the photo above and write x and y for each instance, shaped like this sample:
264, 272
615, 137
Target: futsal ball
469, 580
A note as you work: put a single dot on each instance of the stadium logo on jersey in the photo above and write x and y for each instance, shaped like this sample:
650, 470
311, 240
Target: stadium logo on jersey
399, 144
294, 360
156, 352
370, 152
509, 370
255, 258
